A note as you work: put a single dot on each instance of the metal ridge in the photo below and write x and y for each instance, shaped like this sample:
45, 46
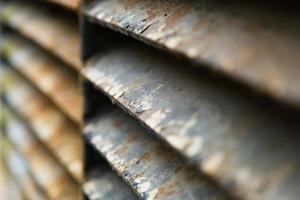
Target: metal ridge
247, 146
48, 75
59, 134
150, 168
254, 46
59, 35
102, 183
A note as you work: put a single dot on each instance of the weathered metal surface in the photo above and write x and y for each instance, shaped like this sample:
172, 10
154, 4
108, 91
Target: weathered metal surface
58, 133
71, 4
48, 174
55, 33
246, 145
20, 172
144, 162
48, 75
252, 45
103, 184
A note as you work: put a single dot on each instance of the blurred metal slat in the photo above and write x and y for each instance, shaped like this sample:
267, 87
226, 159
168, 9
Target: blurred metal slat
256, 46
58, 133
47, 74
59, 34
45, 170
71, 4
229, 135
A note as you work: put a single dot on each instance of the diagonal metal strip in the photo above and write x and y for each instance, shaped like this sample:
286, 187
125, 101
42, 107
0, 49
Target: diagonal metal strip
59, 35
48, 174
71, 4
248, 147
58, 133
103, 184
20, 172
47, 74
256, 46
150, 168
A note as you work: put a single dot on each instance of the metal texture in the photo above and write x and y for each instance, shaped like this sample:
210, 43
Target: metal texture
46, 73
103, 184
55, 33
71, 4
47, 173
151, 169
247, 146
58, 133
20, 172
256, 46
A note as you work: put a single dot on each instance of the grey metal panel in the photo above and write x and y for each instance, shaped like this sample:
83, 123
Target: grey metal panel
256, 46
103, 184
151, 169
246, 146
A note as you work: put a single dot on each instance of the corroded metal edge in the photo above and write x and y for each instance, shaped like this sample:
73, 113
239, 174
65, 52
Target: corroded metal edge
48, 75
151, 168
59, 36
247, 146
59, 134
254, 46
102, 183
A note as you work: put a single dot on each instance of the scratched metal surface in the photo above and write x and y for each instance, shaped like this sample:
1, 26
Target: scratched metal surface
101, 183
255, 46
47, 173
58, 133
47, 74
151, 169
55, 33
20, 173
248, 147
71, 4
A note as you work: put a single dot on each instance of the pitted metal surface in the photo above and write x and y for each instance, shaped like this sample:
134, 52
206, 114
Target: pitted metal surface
47, 74
57, 132
151, 168
255, 46
249, 148
103, 184
54, 33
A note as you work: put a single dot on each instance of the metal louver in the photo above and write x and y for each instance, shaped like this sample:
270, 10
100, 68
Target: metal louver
122, 99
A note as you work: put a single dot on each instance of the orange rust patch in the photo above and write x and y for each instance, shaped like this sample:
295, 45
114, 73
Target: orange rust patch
165, 153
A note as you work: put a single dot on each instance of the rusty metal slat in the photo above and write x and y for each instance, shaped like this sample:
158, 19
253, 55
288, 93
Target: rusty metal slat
256, 46
20, 172
59, 134
71, 4
103, 184
151, 169
48, 174
245, 145
59, 35
48, 75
